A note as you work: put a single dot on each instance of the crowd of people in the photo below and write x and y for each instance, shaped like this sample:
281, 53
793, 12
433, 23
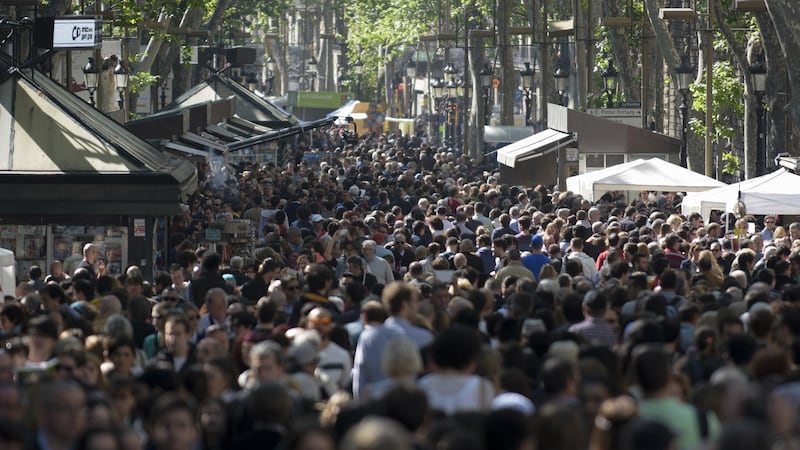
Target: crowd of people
398, 296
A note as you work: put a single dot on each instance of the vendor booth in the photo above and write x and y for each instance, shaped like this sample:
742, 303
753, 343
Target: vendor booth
69, 175
641, 175
577, 143
774, 193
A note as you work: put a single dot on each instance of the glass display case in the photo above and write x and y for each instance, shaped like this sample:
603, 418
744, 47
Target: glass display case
67, 243
29, 244
41, 244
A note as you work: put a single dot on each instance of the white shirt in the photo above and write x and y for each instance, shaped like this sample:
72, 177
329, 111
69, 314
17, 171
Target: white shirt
336, 363
381, 269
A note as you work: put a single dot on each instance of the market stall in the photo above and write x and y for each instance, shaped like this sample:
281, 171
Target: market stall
69, 175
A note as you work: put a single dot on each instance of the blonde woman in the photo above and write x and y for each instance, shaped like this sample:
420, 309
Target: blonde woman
402, 362
548, 272
552, 234
675, 221
709, 269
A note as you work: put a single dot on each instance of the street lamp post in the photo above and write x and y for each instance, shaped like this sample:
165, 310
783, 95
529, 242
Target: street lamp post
759, 73
311, 70
411, 75
358, 69
271, 65
609, 76
121, 80
461, 88
684, 72
452, 106
438, 87
486, 75
91, 74
527, 85
562, 82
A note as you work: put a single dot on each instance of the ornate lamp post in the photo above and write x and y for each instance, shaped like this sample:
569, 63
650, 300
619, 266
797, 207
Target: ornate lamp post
452, 106
527, 85
411, 75
271, 66
91, 74
311, 70
358, 70
121, 80
759, 73
609, 76
562, 83
438, 88
684, 71
486, 75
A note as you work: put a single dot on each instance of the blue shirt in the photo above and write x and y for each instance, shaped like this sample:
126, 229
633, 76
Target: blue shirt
534, 262
487, 257
367, 363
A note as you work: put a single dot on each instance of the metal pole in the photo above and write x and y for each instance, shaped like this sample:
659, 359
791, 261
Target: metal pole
486, 114
709, 96
684, 108
527, 107
761, 148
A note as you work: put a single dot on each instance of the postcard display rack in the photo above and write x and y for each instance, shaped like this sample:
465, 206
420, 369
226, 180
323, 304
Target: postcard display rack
41, 244
238, 238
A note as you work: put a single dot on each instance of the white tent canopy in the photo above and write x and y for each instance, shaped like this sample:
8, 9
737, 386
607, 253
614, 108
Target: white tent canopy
773, 193
640, 175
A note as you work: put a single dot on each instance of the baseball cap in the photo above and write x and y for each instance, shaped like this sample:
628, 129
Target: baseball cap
317, 218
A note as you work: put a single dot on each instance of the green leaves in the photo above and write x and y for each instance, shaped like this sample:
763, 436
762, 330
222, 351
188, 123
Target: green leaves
727, 98
730, 163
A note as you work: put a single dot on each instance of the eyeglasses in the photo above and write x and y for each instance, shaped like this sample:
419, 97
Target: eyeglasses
769, 221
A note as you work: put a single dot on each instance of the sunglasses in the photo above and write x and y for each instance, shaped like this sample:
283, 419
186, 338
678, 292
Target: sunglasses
292, 288
322, 321
170, 299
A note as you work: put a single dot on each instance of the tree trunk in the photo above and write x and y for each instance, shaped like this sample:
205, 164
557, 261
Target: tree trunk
508, 74
60, 65
148, 58
475, 58
192, 19
626, 67
327, 73
784, 14
581, 49
546, 92
740, 57
662, 36
278, 52
780, 138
